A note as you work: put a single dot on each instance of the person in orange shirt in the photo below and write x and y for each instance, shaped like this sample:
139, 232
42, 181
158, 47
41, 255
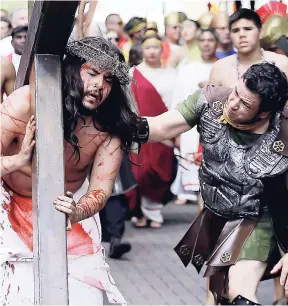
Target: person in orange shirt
171, 43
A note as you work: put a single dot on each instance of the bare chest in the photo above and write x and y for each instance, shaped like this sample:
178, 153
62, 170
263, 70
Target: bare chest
79, 162
76, 165
229, 77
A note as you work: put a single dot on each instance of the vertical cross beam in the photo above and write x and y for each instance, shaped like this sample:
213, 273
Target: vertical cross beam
50, 252
50, 25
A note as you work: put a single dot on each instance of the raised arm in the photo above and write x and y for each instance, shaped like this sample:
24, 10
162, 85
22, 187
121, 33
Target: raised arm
106, 166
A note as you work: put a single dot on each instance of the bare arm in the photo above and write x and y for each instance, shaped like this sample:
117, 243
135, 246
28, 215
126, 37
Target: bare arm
23, 158
10, 76
214, 78
167, 126
15, 113
106, 166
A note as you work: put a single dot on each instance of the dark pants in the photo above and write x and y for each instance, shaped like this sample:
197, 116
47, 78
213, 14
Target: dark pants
113, 217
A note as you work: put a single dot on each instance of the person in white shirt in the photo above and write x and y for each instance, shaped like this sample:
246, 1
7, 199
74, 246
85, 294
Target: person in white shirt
190, 77
19, 35
18, 18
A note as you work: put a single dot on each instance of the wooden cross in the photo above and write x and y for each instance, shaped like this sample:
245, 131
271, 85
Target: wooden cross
50, 26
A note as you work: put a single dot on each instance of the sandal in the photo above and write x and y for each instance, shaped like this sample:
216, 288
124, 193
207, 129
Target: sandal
154, 224
141, 223
180, 202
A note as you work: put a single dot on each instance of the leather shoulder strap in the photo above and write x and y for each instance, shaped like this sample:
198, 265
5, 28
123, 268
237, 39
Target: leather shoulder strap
216, 97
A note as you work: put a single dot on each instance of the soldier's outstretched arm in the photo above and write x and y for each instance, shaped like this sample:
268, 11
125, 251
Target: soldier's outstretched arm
167, 126
170, 124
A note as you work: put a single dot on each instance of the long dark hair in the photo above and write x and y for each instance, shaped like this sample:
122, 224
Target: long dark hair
115, 116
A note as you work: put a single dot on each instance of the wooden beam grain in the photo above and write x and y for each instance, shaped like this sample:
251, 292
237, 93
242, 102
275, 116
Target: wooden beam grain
49, 225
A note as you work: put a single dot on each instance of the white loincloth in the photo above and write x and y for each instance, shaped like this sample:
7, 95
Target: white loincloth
88, 275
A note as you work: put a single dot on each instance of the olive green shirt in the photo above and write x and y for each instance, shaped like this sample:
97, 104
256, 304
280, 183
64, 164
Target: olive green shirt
187, 108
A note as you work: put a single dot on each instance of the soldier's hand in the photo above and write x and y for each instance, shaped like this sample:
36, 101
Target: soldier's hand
28, 143
282, 266
67, 205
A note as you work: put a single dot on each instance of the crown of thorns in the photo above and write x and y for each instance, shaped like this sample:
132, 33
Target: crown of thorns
94, 50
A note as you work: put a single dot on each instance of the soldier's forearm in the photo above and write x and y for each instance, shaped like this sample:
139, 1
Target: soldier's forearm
11, 163
90, 204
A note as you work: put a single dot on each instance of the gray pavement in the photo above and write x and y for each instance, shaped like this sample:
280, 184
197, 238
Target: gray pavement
152, 274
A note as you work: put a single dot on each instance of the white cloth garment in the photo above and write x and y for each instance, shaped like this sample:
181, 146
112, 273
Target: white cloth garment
163, 79
186, 182
151, 210
88, 275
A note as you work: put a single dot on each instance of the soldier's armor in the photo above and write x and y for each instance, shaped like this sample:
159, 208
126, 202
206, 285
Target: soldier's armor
231, 174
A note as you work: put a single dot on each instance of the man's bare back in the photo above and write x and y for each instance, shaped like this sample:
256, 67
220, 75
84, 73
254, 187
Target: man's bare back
224, 72
16, 111
8, 76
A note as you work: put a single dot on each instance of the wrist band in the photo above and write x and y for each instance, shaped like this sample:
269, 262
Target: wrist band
142, 133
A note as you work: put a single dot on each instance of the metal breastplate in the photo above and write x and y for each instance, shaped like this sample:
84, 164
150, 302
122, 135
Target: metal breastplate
231, 174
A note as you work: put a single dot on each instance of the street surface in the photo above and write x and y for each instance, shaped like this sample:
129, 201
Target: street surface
152, 274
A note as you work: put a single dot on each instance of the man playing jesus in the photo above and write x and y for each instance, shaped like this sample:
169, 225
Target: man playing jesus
99, 125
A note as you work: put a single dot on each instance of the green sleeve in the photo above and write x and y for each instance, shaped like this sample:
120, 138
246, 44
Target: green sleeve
187, 108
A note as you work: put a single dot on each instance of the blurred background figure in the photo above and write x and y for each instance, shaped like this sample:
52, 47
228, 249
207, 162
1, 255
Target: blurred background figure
220, 24
115, 24
135, 55
8, 76
135, 28
153, 93
18, 18
19, 35
189, 50
113, 37
190, 77
171, 42
152, 25
5, 27
115, 212
3, 13
205, 20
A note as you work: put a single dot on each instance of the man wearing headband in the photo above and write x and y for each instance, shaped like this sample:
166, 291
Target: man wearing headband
172, 35
135, 28
220, 24
243, 227
99, 124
